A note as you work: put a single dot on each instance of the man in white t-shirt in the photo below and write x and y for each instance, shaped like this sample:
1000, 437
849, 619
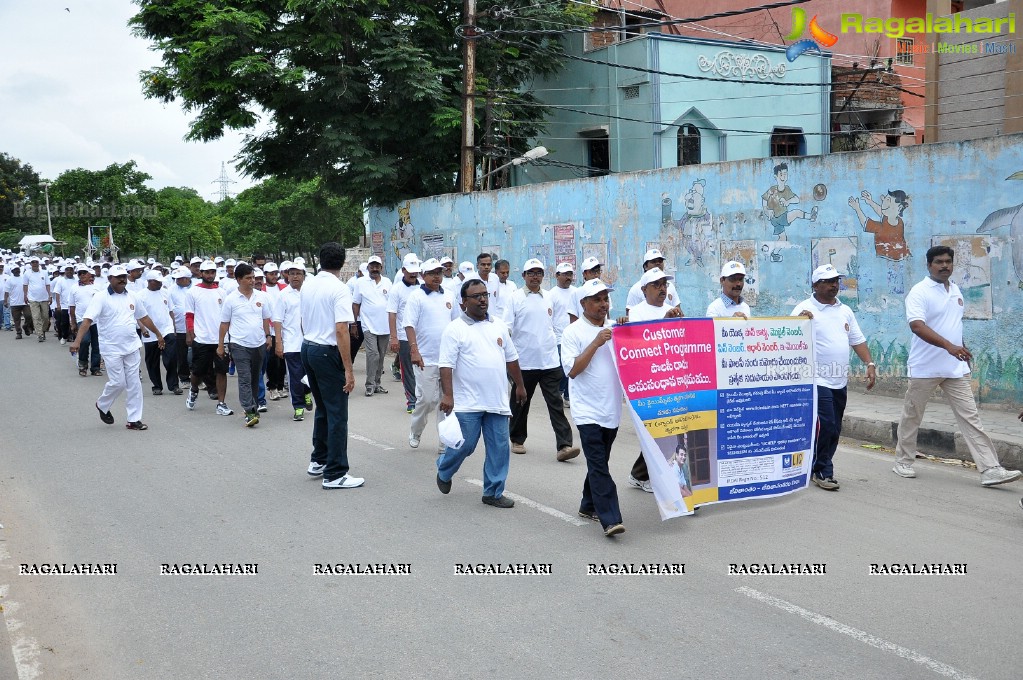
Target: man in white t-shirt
450, 282
118, 313
505, 288
564, 293
653, 259
161, 312
654, 286
406, 283
592, 269
38, 296
939, 358
531, 316
4, 276
835, 330
62, 286
370, 309
287, 322
202, 322
588, 362
476, 358
246, 316
136, 271
177, 292
14, 300
730, 302
79, 297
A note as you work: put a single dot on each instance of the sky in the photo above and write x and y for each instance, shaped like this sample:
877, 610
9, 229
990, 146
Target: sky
70, 98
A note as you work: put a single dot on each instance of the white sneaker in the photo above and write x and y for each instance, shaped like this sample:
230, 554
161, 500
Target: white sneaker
903, 470
316, 469
999, 475
645, 486
224, 410
413, 441
63, 341
190, 400
346, 482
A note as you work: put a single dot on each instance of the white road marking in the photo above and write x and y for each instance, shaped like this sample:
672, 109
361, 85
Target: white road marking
864, 637
564, 517
371, 442
24, 648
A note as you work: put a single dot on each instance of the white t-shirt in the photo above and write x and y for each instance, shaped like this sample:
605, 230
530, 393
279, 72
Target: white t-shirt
429, 314
478, 353
724, 306
37, 283
577, 308
246, 315
204, 303
501, 305
228, 286
834, 331
15, 290
288, 312
116, 317
179, 300
326, 302
532, 328
80, 296
396, 301
564, 301
371, 296
158, 306
644, 311
596, 392
636, 296
942, 311
61, 286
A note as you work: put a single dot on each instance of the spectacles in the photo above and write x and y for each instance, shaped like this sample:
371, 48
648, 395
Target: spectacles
479, 296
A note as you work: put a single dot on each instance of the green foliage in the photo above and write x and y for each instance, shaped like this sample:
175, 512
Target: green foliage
185, 223
18, 183
361, 95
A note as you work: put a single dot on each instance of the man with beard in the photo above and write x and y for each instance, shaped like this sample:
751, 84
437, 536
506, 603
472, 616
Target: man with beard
202, 323
730, 302
370, 309
79, 298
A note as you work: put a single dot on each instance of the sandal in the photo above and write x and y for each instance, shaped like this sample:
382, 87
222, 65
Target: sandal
82, 372
137, 425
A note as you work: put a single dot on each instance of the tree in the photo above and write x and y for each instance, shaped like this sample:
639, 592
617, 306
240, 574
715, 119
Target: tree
185, 223
19, 184
364, 95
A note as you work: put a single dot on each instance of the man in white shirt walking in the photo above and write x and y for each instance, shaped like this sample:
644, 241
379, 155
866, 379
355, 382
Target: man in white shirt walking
287, 322
730, 302
79, 298
202, 320
938, 358
397, 299
38, 297
370, 309
177, 293
246, 316
161, 312
14, 300
563, 293
653, 259
62, 286
119, 313
835, 330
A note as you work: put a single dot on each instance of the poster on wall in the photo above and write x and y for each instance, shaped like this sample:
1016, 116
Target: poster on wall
433, 246
744, 251
597, 250
494, 250
841, 252
540, 251
972, 272
376, 239
724, 408
564, 242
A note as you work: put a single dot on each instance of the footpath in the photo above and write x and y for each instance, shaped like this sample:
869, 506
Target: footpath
875, 419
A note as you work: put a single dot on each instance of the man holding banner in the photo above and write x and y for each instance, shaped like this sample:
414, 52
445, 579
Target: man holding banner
596, 401
834, 330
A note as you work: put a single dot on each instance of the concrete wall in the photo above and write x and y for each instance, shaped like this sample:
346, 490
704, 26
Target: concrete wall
703, 215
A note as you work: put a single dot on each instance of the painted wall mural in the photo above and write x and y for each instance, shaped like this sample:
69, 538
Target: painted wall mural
871, 214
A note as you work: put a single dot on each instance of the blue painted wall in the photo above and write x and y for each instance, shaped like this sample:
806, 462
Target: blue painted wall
968, 193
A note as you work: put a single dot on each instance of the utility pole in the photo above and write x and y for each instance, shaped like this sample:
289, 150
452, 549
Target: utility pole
468, 171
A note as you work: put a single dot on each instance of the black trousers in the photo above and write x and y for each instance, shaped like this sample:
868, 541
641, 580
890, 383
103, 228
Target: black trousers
181, 350
600, 494
63, 324
275, 367
168, 356
549, 380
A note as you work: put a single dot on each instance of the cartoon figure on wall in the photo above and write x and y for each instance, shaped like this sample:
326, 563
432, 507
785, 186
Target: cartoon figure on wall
1012, 218
890, 231
697, 224
777, 200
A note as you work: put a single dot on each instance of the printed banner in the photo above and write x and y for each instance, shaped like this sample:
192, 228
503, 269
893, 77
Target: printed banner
724, 408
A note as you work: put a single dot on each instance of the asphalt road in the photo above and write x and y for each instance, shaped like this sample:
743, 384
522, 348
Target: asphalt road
198, 488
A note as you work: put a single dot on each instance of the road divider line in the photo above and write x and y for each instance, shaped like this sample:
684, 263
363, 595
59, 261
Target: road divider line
24, 648
371, 442
862, 636
529, 503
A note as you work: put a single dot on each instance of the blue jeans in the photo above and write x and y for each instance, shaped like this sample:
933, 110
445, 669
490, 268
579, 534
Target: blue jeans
494, 428
599, 492
7, 318
564, 377
830, 410
326, 376
88, 351
296, 371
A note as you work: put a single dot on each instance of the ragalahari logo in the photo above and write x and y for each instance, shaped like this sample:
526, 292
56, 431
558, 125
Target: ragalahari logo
819, 38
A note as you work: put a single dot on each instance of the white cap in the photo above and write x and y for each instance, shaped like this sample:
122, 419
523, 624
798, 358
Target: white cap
654, 274
825, 271
564, 267
270, 267
410, 258
299, 260
430, 265
287, 265
364, 268
51, 268
591, 262
151, 260
374, 258
117, 270
653, 254
135, 264
68, 263
466, 268
532, 263
257, 272
207, 265
154, 275
731, 268
195, 260
82, 268
593, 287
182, 273
446, 260
33, 259
218, 259
231, 263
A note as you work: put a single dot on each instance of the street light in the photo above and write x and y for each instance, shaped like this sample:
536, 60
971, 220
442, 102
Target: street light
531, 155
46, 191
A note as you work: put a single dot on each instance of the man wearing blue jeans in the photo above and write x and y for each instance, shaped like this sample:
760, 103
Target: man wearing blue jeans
326, 307
476, 358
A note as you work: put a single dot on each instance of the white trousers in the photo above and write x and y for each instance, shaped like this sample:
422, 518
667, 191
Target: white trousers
427, 398
123, 376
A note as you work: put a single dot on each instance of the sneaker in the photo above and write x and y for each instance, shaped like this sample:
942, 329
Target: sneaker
999, 475
567, 453
213, 396
445, 487
345, 482
299, 415
251, 419
224, 410
369, 391
83, 372
380, 390
614, 530
177, 390
644, 485
261, 408
903, 470
413, 441
157, 391
590, 515
410, 410
498, 501
316, 469
309, 402
42, 338
106, 416
517, 448
190, 400
136, 425
828, 484
397, 376
274, 395
63, 341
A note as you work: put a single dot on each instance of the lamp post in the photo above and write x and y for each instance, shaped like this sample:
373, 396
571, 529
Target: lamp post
46, 191
531, 155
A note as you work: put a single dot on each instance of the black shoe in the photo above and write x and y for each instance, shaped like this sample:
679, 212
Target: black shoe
178, 390
106, 416
590, 515
137, 425
445, 487
96, 373
157, 391
498, 501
